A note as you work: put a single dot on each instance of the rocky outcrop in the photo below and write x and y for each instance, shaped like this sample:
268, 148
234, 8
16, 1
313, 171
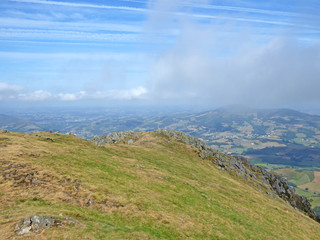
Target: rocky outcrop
268, 183
271, 183
35, 223
38, 223
115, 137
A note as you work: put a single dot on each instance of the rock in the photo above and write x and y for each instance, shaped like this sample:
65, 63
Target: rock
35, 223
38, 223
242, 167
114, 137
45, 138
204, 150
4, 131
140, 166
90, 202
71, 221
130, 141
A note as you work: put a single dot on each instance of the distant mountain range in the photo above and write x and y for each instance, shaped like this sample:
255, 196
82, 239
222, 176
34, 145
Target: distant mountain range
278, 136
17, 125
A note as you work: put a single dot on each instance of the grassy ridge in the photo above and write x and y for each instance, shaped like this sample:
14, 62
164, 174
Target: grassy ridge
153, 189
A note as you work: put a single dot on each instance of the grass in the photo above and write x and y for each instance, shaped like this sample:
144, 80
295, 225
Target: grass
314, 185
153, 189
297, 176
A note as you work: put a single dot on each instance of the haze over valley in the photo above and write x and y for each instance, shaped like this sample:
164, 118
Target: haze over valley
160, 119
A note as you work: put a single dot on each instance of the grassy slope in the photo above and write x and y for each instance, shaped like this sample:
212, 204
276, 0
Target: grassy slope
153, 189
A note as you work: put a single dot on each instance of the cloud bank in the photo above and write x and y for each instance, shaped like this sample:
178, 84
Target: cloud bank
218, 65
17, 93
8, 91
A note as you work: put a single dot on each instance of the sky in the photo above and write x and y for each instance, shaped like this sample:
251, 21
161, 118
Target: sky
192, 52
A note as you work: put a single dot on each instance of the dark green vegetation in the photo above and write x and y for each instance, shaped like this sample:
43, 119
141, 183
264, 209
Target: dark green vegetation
292, 155
154, 188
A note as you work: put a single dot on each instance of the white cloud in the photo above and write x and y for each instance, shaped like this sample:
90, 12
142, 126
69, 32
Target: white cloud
38, 95
206, 65
72, 96
134, 93
8, 91
12, 92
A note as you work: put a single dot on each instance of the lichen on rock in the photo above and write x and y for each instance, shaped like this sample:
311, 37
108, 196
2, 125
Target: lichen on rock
38, 223
35, 223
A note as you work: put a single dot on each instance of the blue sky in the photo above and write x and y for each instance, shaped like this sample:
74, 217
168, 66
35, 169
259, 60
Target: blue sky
262, 53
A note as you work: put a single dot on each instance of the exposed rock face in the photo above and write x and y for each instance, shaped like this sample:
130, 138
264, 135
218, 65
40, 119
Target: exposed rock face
205, 150
38, 223
116, 137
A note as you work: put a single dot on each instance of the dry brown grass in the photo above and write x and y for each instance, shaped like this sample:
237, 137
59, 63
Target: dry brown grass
153, 189
313, 186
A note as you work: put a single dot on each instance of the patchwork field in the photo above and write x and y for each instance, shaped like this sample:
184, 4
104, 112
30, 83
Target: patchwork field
314, 185
306, 182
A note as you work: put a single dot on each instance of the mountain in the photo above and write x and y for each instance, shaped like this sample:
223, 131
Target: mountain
279, 136
156, 185
17, 125
274, 136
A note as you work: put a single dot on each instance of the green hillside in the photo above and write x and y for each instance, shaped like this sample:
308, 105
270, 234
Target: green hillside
148, 187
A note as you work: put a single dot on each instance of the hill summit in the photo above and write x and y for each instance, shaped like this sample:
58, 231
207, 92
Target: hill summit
155, 185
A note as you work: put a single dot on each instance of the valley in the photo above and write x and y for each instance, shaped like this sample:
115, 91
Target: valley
280, 140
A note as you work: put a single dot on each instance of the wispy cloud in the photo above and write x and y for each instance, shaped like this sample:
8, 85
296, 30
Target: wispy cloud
84, 5
115, 56
243, 10
66, 35
87, 26
195, 4
179, 4
195, 51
